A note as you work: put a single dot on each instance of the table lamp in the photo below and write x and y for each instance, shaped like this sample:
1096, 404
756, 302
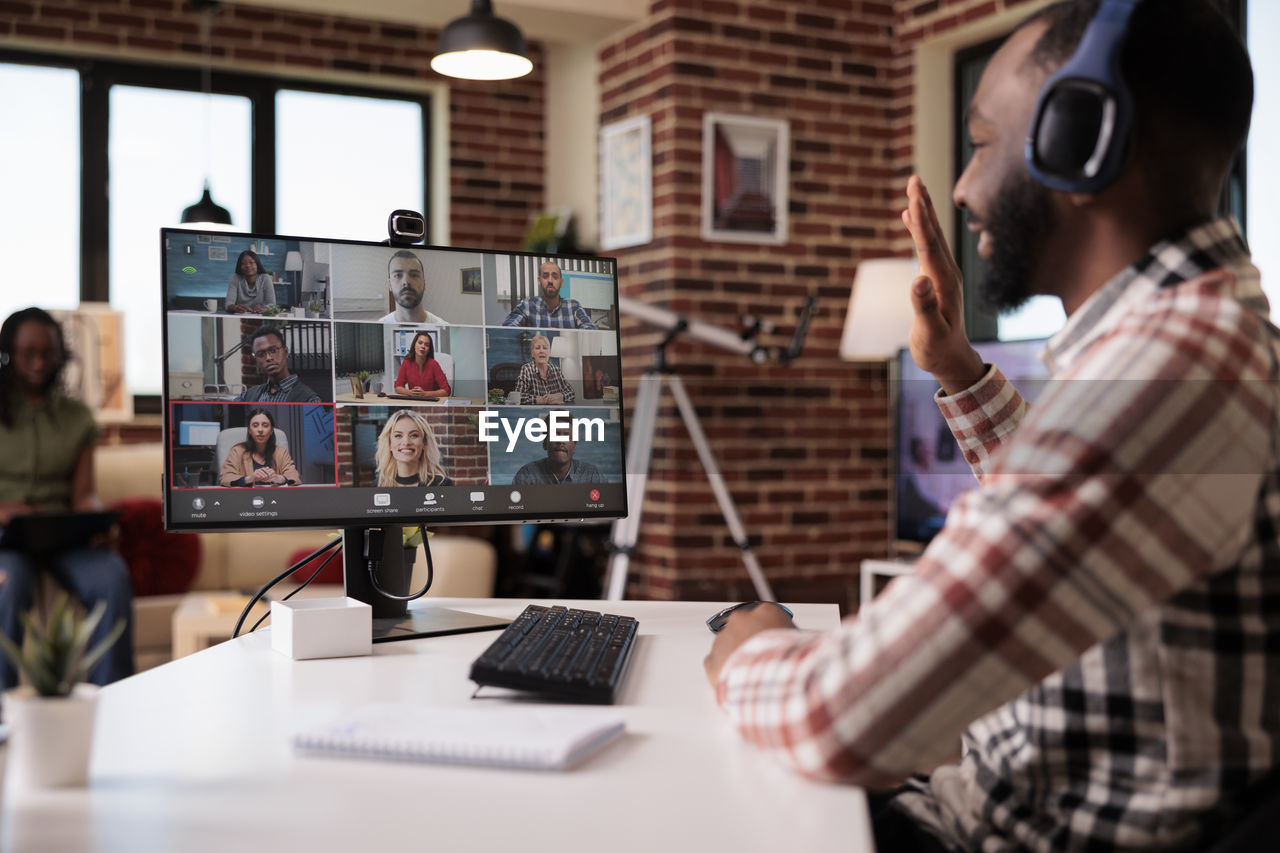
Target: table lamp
565, 348
293, 264
878, 322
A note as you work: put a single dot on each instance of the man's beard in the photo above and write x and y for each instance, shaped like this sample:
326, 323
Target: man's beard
1020, 222
408, 298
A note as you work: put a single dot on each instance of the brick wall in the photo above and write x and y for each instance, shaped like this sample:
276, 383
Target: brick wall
497, 139
804, 449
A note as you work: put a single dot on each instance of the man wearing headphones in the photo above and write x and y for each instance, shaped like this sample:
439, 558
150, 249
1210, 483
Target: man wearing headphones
1099, 622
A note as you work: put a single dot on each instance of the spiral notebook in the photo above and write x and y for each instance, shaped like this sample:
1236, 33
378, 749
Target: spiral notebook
536, 738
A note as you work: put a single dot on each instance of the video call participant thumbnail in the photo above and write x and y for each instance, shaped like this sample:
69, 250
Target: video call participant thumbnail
558, 467
250, 288
258, 460
266, 343
408, 453
420, 375
540, 382
548, 309
407, 284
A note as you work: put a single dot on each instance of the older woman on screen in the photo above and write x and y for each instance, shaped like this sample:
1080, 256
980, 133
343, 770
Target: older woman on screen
540, 381
250, 288
420, 374
257, 460
408, 454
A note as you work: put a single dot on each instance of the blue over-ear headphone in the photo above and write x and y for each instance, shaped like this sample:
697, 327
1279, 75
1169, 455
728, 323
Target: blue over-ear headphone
1080, 130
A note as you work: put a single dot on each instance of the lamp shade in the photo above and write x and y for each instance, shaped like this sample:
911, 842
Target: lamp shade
293, 262
481, 46
879, 318
206, 212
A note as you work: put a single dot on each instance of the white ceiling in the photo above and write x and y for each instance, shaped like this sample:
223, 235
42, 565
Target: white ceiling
559, 21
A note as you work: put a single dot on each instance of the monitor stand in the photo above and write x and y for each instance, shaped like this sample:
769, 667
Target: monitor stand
392, 618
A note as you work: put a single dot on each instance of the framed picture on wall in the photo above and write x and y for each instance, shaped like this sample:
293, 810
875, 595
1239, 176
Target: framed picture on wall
471, 280
95, 334
744, 178
626, 184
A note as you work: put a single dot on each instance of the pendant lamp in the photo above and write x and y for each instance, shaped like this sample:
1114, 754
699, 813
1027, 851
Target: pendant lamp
206, 211
481, 46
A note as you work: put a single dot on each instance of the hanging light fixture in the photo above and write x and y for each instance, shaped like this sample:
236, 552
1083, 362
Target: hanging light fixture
481, 46
206, 211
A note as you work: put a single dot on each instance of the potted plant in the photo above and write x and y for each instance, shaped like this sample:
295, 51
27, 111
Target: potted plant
51, 718
315, 309
363, 376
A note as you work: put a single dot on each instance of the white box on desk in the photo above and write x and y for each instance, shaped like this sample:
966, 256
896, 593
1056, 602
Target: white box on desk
321, 628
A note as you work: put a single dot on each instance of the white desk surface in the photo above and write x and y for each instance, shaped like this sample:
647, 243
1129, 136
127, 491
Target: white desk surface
195, 756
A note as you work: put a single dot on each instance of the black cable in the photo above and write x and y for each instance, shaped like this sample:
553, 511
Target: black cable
275, 580
373, 565
300, 588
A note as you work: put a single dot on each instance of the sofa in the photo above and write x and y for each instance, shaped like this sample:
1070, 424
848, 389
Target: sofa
129, 475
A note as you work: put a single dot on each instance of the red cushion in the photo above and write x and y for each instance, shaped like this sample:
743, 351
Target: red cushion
160, 563
332, 573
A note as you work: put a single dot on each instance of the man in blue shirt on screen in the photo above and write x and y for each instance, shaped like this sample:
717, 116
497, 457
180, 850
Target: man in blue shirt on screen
548, 310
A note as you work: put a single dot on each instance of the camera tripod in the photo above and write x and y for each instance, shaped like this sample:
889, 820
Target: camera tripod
644, 419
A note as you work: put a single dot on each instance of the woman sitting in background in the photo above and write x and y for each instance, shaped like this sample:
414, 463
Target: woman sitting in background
257, 460
250, 288
420, 374
46, 463
408, 454
540, 381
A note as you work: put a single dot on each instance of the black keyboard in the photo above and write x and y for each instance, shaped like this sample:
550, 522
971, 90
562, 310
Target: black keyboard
578, 655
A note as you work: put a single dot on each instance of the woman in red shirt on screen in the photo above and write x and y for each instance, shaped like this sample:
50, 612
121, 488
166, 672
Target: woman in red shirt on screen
420, 374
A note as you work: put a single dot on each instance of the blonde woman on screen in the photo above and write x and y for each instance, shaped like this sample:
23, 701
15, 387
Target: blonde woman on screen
408, 454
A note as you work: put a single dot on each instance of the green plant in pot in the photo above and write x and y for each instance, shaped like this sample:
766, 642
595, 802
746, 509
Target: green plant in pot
51, 717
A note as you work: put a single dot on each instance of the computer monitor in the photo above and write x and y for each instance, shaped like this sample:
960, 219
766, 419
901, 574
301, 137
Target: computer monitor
314, 412
930, 470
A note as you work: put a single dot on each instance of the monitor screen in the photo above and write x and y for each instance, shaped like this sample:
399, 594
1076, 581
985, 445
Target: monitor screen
373, 385
930, 469
199, 433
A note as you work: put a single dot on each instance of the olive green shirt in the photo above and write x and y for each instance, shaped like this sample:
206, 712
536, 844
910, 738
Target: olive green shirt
38, 453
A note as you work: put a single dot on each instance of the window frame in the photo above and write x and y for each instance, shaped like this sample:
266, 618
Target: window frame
97, 76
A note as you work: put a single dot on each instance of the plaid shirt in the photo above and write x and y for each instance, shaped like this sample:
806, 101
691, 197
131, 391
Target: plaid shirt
1101, 619
530, 386
569, 314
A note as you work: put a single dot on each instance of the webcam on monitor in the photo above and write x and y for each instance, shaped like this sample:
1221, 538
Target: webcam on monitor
406, 227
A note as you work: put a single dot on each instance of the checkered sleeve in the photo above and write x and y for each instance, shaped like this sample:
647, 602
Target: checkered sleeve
982, 416
1135, 474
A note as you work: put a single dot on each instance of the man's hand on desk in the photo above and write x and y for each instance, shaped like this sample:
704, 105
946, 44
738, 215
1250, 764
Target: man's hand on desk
742, 626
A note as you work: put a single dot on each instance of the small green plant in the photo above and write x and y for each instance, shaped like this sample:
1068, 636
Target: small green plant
497, 396
316, 307
57, 655
272, 310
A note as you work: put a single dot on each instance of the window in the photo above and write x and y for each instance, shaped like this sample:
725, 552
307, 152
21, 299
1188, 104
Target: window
156, 169
39, 207
344, 163
1263, 175
107, 153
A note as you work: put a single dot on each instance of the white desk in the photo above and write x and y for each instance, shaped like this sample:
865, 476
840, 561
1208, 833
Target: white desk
194, 755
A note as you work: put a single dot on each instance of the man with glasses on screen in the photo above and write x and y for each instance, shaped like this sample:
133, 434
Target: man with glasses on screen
548, 310
407, 283
1099, 622
267, 345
